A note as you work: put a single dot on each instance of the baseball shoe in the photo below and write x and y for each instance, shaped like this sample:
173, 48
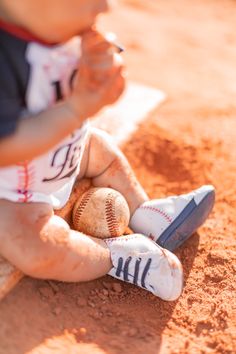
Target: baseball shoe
171, 221
140, 261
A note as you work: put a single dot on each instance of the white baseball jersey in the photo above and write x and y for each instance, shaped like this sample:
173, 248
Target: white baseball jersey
33, 77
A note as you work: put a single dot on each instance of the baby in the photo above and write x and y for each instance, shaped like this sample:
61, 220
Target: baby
56, 72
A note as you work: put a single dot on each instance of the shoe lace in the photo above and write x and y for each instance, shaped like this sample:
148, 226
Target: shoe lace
123, 270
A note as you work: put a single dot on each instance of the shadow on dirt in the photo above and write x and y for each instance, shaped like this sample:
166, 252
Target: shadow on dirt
55, 317
110, 317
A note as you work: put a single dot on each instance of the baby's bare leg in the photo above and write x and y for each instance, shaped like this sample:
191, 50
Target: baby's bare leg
108, 167
42, 244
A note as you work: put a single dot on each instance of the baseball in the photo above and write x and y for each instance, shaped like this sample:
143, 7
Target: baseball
101, 212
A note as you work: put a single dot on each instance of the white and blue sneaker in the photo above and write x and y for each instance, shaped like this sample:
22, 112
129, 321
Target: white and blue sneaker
140, 261
171, 221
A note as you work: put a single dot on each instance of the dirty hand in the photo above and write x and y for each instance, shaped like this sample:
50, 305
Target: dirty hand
100, 79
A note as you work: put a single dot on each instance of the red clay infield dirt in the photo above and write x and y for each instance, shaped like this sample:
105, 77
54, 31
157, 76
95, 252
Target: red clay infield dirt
188, 49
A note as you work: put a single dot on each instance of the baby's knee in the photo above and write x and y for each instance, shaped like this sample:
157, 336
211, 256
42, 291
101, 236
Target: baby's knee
47, 247
17, 219
23, 246
104, 142
29, 265
103, 152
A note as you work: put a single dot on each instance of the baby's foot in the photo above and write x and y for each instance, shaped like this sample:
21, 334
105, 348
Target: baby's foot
172, 220
140, 261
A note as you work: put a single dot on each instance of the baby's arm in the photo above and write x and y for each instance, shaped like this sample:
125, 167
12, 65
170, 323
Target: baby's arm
99, 82
37, 134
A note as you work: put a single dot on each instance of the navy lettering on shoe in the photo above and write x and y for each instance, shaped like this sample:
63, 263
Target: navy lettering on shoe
140, 261
125, 270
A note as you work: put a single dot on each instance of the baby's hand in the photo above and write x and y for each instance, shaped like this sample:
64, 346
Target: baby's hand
100, 79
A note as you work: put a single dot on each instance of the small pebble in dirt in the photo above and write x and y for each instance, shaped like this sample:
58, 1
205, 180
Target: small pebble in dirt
109, 314
107, 285
96, 315
57, 311
101, 296
106, 330
105, 292
54, 286
117, 287
81, 301
46, 292
91, 304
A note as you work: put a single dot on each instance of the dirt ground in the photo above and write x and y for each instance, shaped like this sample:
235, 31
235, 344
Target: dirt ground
188, 49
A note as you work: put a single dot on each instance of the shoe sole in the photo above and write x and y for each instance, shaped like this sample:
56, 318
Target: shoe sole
187, 222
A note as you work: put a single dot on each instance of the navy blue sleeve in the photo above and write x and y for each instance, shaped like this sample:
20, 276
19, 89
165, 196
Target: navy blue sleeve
10, 100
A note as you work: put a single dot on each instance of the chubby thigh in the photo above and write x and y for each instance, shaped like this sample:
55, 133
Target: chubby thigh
18, 223
42, 244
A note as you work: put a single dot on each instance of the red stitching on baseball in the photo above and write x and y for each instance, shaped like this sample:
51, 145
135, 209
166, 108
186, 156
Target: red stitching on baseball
159, 211
77, 212
112, 223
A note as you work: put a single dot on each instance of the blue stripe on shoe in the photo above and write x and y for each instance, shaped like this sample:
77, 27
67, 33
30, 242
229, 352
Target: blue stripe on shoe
191, 217
178, 221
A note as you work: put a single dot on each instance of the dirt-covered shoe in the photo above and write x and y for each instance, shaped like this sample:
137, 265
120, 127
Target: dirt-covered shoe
171, 221
140, 261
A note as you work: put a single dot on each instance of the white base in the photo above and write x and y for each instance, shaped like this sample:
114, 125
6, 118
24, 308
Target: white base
122, 118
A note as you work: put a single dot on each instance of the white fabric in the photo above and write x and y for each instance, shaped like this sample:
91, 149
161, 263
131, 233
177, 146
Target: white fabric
49, 177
